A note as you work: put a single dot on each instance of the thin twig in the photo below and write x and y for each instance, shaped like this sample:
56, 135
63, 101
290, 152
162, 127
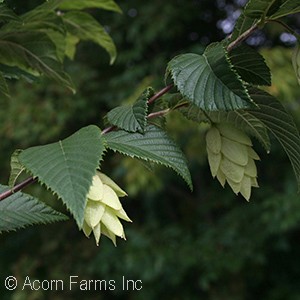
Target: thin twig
151, 100
158, 113
17, 187
31, 180
108, 129
242, 37
160, 93
163, 91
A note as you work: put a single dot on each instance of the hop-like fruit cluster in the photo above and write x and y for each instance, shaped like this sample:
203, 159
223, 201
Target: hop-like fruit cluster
231, 158
103, 209
296, 61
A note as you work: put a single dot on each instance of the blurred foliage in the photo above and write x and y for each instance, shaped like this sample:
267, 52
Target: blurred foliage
285, 88
208, 244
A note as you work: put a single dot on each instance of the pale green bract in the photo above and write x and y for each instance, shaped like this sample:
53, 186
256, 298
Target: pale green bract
103, 209
231, 158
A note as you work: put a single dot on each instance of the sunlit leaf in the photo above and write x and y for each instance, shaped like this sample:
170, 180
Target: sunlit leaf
71, 43
85, 27
16, 168
16, 73
79, 4
48, 22
3, 86
34, 53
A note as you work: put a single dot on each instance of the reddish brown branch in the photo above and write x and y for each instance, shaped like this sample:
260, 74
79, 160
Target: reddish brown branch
17, 187
151, 100
31, 180
160, 93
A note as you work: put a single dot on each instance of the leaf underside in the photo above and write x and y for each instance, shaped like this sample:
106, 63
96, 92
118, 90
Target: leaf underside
36, 43
16, 167
85, 27
153, 146
3, 86
67, 167
242, 119
21, 210
280, 123
34, 53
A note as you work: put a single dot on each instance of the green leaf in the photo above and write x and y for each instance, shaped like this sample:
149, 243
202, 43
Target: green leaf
34, 53
85, 27
47, 22
16, 168
273, 9
71, 43
6, 14
242, 24
3, 86
133, 117
67, 167
296, 61
287, 7
242, 119
153, 146
79, 4
281, 124
37, 19
261, 8
250, 65
16, 73
209, 81
21, 210
247, 122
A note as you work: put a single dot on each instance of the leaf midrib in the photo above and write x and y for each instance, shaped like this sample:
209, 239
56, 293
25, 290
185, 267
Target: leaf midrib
30, 54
